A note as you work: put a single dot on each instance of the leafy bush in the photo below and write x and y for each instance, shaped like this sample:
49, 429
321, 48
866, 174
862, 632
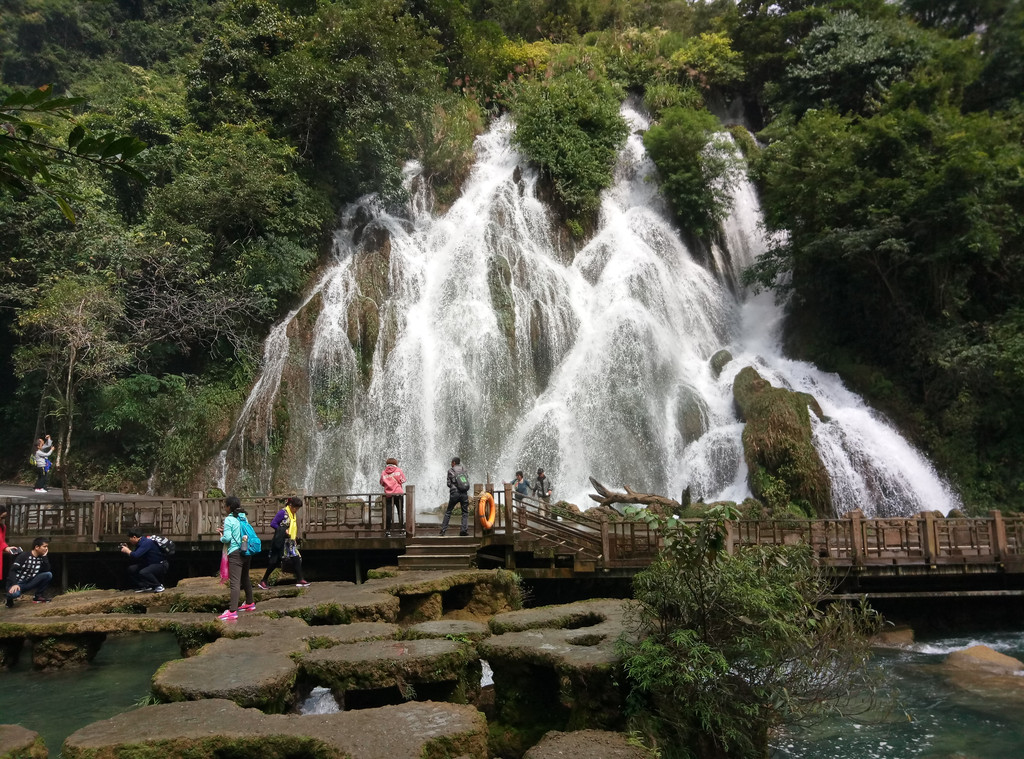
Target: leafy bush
731, 646
570, 125
695, 163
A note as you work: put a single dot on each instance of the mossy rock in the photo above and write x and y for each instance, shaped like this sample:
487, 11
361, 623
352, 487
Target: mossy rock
17, 742
406, 665
63, 651
777, 444
220, 728
719, 361
499, 283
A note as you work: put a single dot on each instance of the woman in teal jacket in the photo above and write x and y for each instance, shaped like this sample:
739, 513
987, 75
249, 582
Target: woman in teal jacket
238, 560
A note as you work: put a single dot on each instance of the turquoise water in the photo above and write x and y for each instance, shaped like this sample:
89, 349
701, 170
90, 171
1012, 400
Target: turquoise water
933, 718
56, 704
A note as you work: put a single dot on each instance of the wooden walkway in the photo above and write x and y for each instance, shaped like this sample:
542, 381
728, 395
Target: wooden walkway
528, 537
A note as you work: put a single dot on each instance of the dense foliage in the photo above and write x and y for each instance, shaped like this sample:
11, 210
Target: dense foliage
729, 646
889, 154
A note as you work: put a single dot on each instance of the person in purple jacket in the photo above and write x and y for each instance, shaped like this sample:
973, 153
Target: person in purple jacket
283, 544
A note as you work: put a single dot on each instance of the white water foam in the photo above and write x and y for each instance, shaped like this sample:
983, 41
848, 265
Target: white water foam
499, 344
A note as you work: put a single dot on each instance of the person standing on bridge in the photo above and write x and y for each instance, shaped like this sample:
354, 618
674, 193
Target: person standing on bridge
393, 479
238, 560
542, 489
41, 460
458, 492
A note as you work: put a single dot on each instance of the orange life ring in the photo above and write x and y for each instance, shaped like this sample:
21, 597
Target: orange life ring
487, 510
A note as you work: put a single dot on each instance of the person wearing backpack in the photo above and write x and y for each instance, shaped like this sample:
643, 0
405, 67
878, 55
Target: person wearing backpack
285, 543
392, 478
235, 536
41, 461
458, 492
149, 564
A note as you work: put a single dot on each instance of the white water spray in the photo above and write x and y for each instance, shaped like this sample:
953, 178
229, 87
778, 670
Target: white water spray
480, 334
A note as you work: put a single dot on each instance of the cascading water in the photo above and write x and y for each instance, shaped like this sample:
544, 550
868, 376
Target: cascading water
478, 333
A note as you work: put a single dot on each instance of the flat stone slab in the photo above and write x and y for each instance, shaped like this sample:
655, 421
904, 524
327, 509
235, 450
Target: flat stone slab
20, 742
370, 665
254, 671
325, 636
573, 636
556, 665
585, 744
455, 628
407, 731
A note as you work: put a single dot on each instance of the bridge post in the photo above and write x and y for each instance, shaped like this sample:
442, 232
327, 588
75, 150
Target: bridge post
97, 517
193, 517
998, 535
606, 543
857, 536
929, 544
410, 511
509, 527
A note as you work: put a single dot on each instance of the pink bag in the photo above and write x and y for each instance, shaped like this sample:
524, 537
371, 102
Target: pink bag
224, 566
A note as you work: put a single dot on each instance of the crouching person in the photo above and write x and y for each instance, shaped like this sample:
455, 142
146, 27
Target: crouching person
30, 571
148, 567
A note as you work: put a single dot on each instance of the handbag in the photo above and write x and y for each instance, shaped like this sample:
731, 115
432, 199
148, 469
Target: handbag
291, 549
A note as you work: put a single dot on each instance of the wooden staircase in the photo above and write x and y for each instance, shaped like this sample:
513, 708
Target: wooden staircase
436, 552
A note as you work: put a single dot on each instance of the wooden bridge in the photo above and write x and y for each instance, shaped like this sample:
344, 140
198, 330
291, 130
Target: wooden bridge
910, 554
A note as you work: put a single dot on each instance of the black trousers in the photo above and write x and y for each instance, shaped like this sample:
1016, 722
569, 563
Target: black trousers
149, 576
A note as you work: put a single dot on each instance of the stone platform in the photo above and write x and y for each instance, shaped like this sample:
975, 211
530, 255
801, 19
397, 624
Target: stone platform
400, 653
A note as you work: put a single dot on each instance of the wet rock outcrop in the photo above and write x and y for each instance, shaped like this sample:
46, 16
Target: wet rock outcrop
784, 465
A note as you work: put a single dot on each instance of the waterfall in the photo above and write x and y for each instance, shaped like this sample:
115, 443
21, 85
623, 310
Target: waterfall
483, 332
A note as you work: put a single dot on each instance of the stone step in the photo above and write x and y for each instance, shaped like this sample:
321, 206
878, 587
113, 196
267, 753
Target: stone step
452, 538
414, 549
434, 562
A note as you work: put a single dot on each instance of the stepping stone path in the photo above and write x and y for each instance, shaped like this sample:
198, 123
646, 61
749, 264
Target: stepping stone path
400, 653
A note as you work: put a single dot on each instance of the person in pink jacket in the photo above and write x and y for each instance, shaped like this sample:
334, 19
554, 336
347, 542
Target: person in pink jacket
393, 478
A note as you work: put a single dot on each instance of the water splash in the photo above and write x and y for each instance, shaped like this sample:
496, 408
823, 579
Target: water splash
484, 333
320, 701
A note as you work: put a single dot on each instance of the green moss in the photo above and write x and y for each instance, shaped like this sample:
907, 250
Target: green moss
511, 742
192, 637
323, 614
777, 444
264, 746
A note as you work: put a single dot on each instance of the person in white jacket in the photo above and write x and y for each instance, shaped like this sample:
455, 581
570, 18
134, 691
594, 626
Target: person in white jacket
41, 460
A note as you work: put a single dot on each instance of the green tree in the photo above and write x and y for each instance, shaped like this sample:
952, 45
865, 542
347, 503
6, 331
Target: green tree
849, 63
730, 646
695, 164
73, 343
28, 159
570, 125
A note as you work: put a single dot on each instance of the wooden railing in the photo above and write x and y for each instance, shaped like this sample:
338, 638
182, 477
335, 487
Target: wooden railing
196, 519
530, 524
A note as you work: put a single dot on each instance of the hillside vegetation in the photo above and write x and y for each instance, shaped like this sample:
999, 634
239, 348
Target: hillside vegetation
889, 150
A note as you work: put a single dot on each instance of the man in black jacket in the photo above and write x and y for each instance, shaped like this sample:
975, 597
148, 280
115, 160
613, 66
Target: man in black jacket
30, 571
149, 565
458, 493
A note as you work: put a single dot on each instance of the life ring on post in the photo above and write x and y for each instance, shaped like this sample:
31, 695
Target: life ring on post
487, 510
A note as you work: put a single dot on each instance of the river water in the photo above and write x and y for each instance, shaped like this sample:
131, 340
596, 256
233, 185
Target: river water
56, 704
929, 717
